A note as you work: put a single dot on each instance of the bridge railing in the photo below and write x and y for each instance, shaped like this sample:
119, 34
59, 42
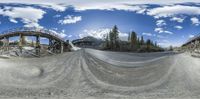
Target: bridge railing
27, 29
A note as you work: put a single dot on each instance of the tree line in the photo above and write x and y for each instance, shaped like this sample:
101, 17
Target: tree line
133, 43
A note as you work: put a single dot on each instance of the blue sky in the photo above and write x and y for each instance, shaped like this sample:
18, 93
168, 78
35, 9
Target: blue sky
167, 22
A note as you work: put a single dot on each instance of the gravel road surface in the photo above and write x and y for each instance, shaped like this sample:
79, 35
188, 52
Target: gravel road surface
93, 74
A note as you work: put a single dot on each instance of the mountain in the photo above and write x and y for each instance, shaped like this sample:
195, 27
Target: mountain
88, 42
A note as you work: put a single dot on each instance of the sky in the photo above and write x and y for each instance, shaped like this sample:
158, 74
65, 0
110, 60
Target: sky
170, 22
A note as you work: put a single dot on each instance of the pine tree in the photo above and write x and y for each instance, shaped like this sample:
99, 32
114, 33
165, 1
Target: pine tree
115, 37
107, 42
152, 44
142, 40
148, 44
138, 42
133, 40
111, 40
1, 43
155, 44
171, 48
129, 37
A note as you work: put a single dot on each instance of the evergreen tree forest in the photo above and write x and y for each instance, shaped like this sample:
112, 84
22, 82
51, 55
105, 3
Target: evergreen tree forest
133, 43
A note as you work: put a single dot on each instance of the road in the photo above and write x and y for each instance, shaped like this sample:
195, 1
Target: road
97, 74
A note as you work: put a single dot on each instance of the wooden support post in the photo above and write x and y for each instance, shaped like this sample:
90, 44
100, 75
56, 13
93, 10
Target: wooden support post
7, 43
38, 45
20, 43
61, 47
50, 44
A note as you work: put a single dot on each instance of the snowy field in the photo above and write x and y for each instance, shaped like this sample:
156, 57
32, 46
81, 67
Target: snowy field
93, 74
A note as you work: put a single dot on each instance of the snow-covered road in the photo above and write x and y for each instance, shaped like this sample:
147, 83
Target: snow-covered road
97, 74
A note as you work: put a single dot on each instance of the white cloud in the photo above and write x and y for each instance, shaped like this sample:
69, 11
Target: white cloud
180, 20
161, 37
111, 6
167, 43
171, 11
164, 43
28, 15
62, 34
61, 5
167, 9
154, 35
195, 21
178, 27
147, 34
160, 23
96, 1
69, 36
168, 32
63, 31
123, 36
13, 20
57, 7
101, 34
191, 36
55, 29
70, 19
161, 30
57, 16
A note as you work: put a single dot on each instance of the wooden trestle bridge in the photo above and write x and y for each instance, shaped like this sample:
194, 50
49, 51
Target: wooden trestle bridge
192, 43
56, 43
